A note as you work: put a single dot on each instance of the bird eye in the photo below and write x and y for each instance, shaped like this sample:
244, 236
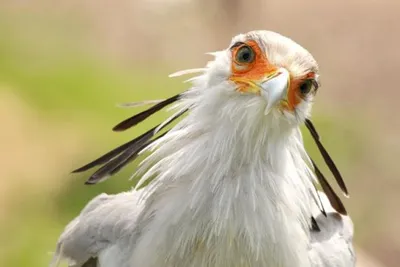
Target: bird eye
245, 55
307, 86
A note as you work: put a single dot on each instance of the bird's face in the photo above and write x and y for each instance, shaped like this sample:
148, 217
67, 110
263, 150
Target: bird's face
270, 67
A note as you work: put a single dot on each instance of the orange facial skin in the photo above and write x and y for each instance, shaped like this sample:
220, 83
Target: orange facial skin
251, 72
294, 95
246, 74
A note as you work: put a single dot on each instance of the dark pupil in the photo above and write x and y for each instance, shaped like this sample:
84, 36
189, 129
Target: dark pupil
245, 55
306, 86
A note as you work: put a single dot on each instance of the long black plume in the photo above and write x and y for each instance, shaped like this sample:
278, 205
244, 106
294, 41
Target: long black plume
119, 157
115, 152
328, 160
116, 164
136, 119
108, 156
326, 187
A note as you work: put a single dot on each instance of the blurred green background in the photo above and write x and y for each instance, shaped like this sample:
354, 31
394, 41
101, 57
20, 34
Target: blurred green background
65, 65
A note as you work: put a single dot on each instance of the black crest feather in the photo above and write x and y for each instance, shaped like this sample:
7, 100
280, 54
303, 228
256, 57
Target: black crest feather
138, 118
113, 161
328, 160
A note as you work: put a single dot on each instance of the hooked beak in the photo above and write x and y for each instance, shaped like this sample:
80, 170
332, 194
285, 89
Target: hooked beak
274, 88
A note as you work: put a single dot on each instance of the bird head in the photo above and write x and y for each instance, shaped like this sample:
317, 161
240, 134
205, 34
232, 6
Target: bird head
267, 70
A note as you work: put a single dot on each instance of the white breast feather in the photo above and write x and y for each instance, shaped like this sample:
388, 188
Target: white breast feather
231, 188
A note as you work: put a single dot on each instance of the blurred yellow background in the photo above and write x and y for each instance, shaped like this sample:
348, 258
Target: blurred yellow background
64, 65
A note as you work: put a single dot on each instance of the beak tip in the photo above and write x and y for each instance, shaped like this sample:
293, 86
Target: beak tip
274, 89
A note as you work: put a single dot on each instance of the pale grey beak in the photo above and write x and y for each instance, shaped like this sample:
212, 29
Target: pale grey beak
274, 88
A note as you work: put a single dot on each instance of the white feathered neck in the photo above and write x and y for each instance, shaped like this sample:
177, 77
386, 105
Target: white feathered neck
232, 179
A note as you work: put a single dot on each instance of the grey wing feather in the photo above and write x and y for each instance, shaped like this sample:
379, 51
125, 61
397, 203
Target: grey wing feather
99, 226
107, 218
332, 246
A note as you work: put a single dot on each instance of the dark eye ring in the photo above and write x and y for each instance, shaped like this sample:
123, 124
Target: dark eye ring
245, 54
307, 86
